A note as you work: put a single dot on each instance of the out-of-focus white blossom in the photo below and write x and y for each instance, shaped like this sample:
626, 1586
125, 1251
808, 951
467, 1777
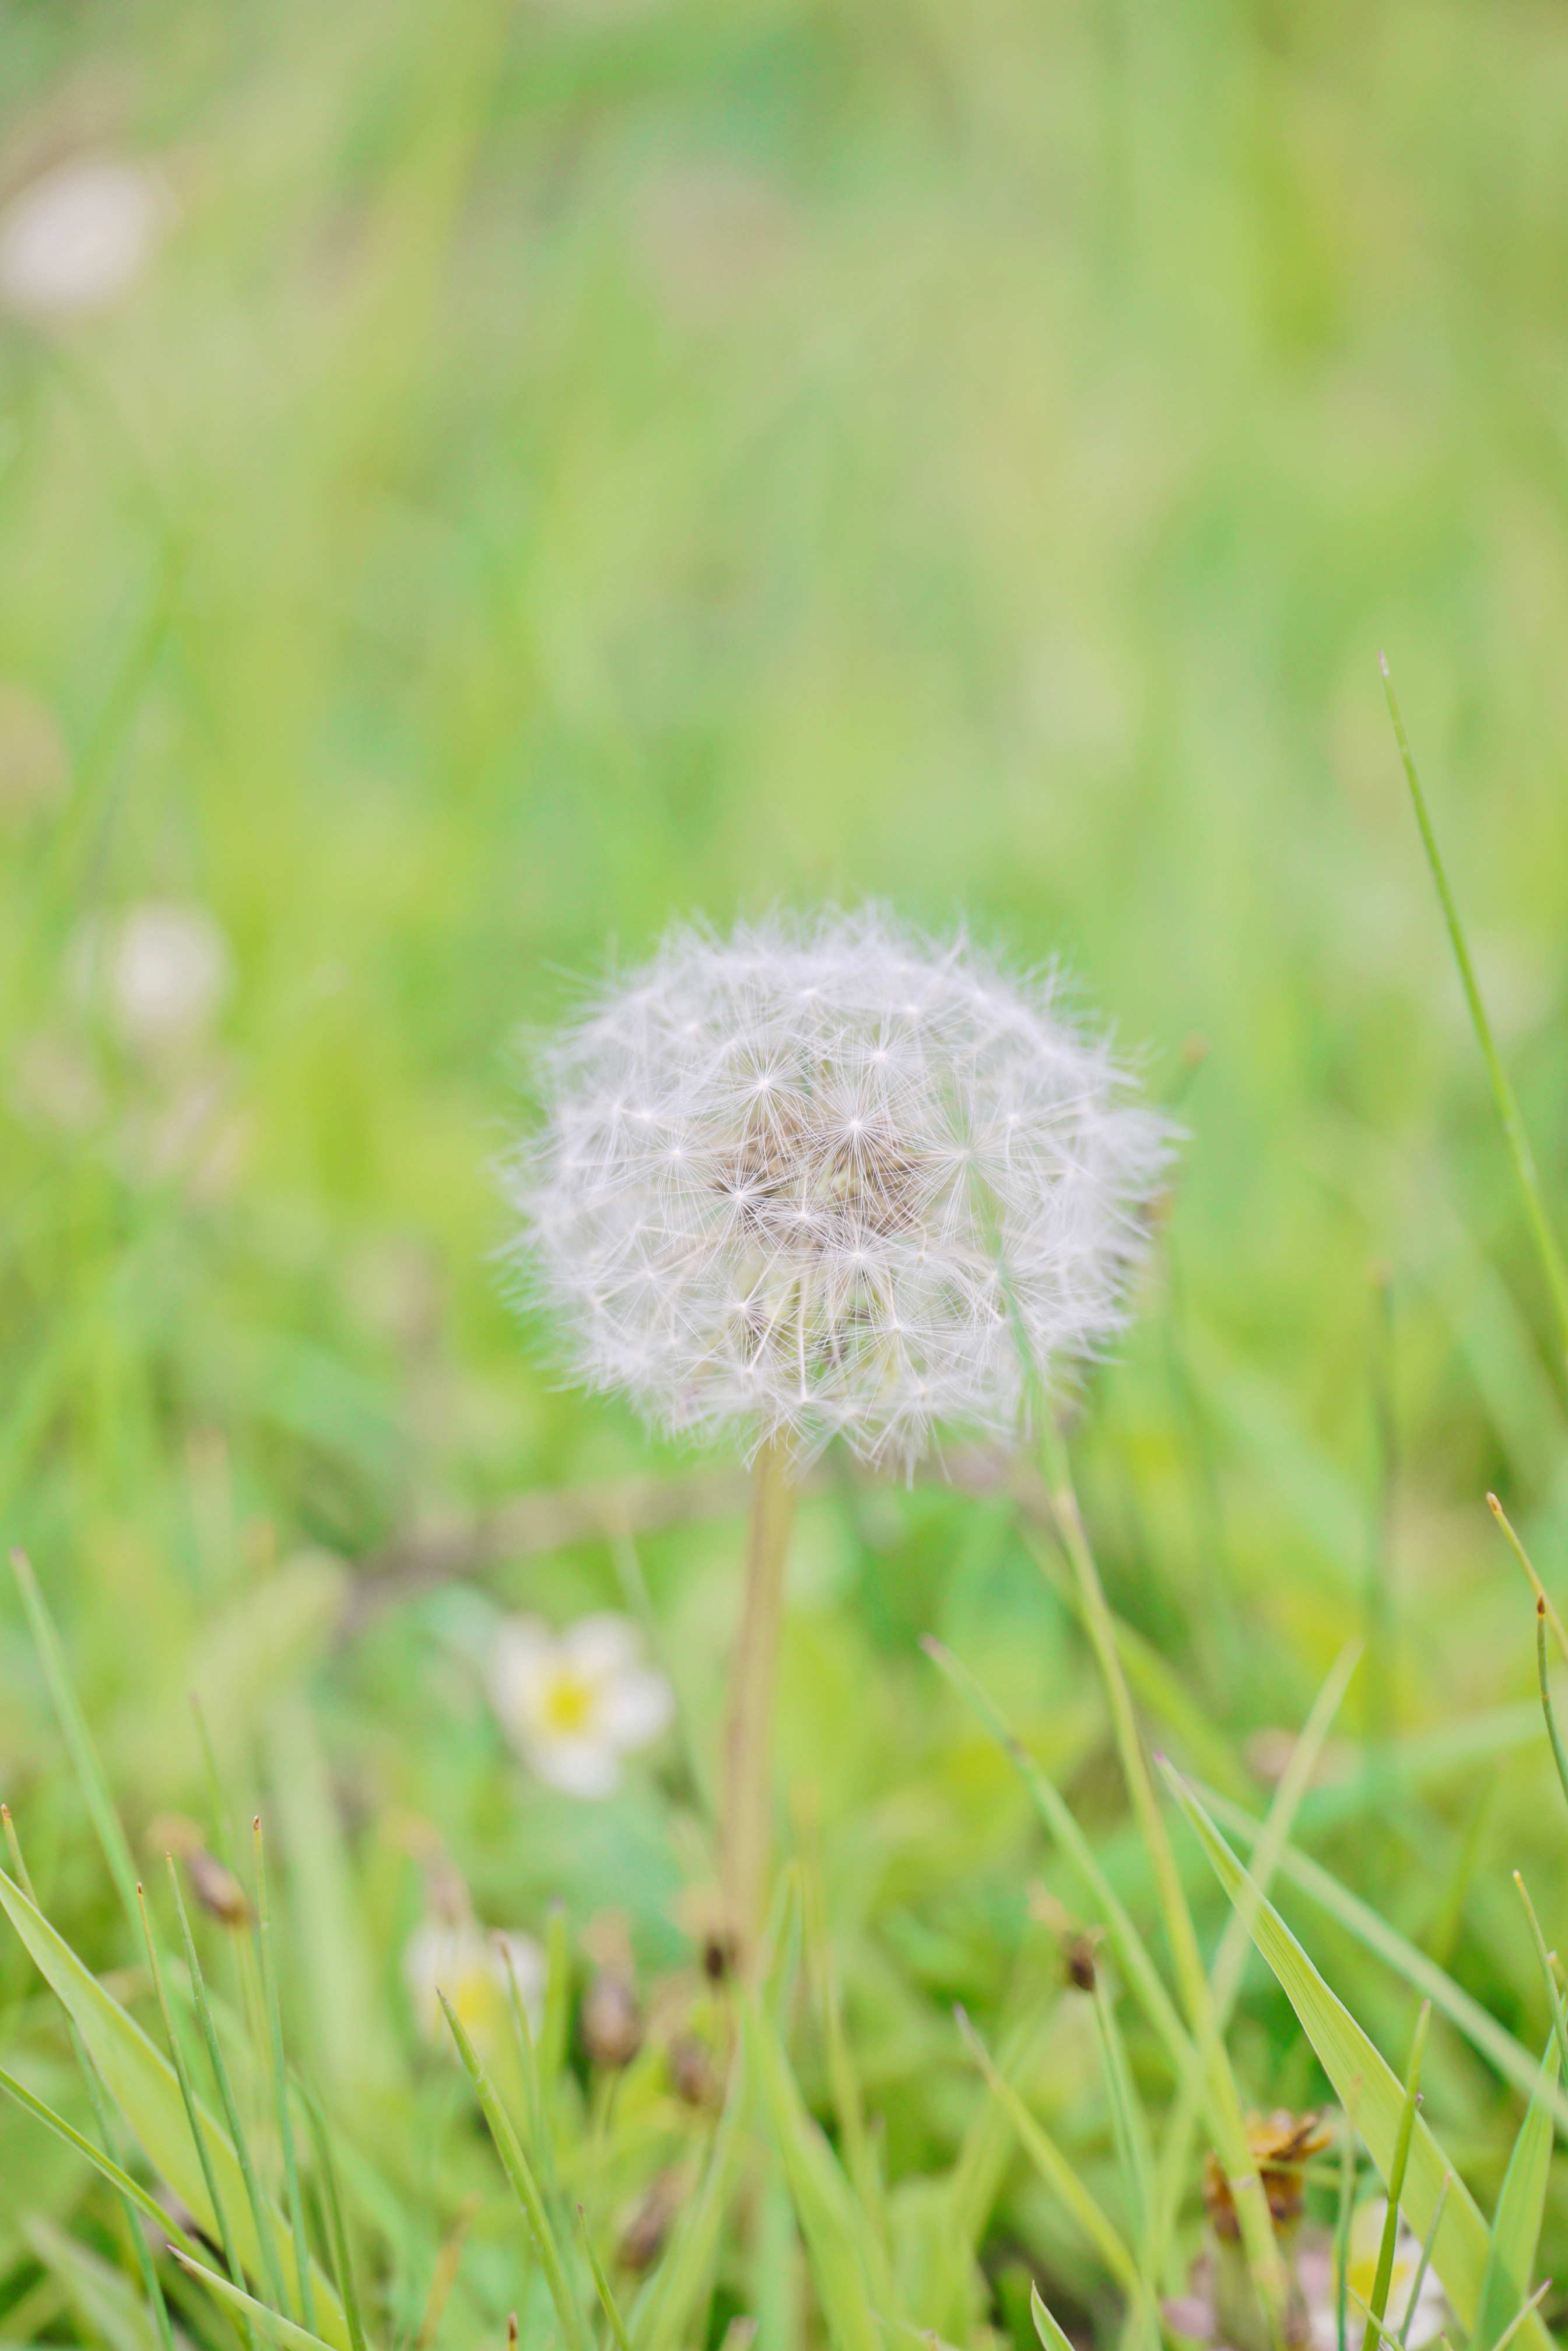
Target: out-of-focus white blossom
1431, 2314
573, 1703
161, 970
459, 1958
830, 1179
78, 236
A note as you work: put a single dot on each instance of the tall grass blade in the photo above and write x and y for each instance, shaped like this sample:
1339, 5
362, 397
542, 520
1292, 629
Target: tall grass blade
302, 2279
1508, 1111
1060, 2176
1052, 2337
602, 2286
1366, 2085
1543, 1598
1129, 2128
1383, 2276
337, 2230
524, 2185
843, 2083
665, 2313
144, 2262
256, 2314
837, 2239
1544, 1677
271, 2267
1341, 2228
1516, 2229
144, 2086
130, 2190
1493, 2041
79, 1741
1543, 1958
1423, 2265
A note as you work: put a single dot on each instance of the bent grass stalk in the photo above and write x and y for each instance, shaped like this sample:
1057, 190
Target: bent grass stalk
1263, 2256
280, 2082
745, 1828
1543, 1599
1513, 1128
1385, 2273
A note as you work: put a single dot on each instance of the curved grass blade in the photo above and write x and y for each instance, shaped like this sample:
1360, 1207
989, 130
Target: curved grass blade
130, 2190
1383, 2276
1508, 1111
1542, 1599
256, 2314
144, 2086
271, 2268
1051, 2335
1557, 1755
1555, 1998
1508, 2056
607, 2300
1366, 2085
1059, 2175
145, 2264
1516, 2229
524, 2186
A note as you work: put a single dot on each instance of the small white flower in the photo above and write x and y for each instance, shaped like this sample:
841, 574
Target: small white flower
832, 1179
572, 1704
458, 1957
78, 236
164, 968
1431, 2313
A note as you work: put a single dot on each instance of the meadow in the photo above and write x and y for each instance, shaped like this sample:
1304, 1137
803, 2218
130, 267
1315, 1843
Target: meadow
555, 469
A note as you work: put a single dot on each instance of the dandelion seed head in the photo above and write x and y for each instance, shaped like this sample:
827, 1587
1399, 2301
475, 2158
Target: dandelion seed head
870, 1186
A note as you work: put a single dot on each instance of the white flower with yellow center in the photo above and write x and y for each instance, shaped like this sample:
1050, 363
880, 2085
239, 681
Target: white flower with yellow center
573, 1703
1430, 2315
474, 1969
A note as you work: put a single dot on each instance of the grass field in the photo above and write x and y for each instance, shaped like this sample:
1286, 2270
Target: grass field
560, 468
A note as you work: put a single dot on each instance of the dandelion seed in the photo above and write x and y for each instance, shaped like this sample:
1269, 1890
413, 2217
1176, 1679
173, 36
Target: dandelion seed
843, 1141
573, 1704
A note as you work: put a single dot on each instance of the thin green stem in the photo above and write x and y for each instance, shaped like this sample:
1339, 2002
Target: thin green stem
1518, 1141
342, 2260
1385, 2274
1554, 1997
1341, 2229
1543, 1599
1557, 1755
1424, 2263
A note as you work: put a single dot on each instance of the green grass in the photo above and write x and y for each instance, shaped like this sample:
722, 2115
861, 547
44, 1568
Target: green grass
573, 466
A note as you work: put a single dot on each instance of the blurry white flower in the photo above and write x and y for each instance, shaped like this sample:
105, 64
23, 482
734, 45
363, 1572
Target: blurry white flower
162, 967
78, 236
830, 1178
573, 1703
459, 1958
1431, 2311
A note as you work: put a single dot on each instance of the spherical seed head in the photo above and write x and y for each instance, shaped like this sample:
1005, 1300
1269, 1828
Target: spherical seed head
828, 1178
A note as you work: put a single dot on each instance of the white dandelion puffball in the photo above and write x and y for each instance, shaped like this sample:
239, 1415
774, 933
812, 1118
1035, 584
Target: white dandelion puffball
830, 1179
573, 1703
474, 1969
78, 236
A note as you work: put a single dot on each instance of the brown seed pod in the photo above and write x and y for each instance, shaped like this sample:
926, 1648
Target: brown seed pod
694, 2075
642, 2239
611, 2019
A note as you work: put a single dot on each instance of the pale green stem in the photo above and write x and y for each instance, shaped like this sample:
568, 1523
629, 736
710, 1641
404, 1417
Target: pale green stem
745, 1824
1518, 1141
1263, 2255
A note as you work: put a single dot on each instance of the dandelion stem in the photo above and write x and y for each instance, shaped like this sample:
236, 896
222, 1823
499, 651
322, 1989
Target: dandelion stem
1508, 1111
749, 1729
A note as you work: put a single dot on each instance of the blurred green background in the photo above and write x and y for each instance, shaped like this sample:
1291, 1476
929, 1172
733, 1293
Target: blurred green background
561, 467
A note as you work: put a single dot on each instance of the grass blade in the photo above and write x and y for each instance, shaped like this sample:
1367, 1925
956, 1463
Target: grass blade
1128, 2126
271, 2268
342, 2256
1495, 2043
838, 2248
1503, 1096
1059, 2174
1541, 1599
1424, 2264
607, 2300
663, 2314
1555, 1998
1557, 1755
131, 2190
79, 1741
254, 2313
1516, 2230
1383, 2276
1051, 2335
144, 2086
307, 2299
1366, 2085
524, 2185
